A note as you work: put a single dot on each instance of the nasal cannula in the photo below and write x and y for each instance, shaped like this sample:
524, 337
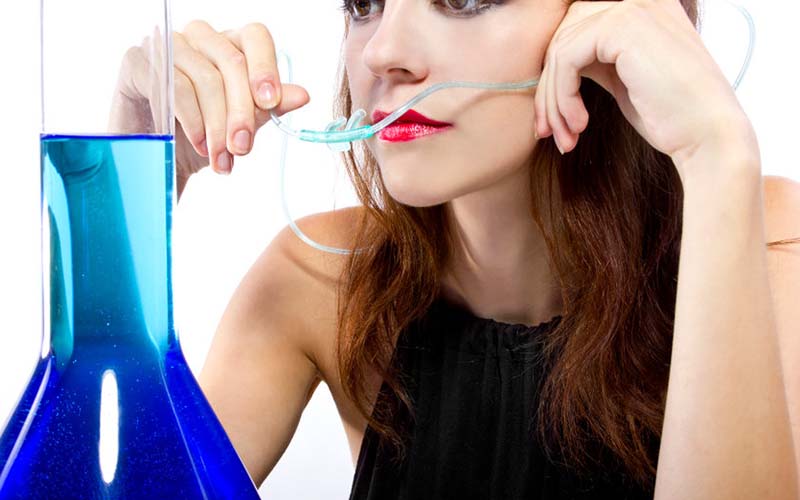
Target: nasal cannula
339, 140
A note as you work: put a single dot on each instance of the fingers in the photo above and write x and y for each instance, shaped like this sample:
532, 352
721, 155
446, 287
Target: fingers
232, 66
269, 93
549, 102
540, 104
572, 52
210, 91
561, 134
292, 97
158, 65
255, 41
567, 93
226, 84
546, 109
187, 111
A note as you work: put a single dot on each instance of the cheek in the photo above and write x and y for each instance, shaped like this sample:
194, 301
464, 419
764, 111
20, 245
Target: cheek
358, 75
521, 48
353, 73
499, 145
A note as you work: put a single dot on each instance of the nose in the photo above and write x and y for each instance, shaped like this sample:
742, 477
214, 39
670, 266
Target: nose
397, 48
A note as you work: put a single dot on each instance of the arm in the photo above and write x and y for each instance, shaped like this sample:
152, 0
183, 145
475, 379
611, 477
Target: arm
782, 207
726, 428
258, 376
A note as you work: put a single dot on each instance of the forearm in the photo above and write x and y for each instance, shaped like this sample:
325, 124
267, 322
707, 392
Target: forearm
726, 428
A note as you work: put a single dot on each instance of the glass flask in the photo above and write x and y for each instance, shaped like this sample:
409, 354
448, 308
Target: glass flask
112, 409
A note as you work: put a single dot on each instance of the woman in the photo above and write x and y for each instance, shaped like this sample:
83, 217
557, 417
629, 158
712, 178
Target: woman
520, 326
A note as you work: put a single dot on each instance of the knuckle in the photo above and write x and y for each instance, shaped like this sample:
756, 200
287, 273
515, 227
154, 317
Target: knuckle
632, 12
241, 112
256, 29
237, 123
231, 56
183, 86
551, 53
216, 136
193, 130
208, 76
561, 34
133, 56
186, 107
197, 26
198, 138
236, 59
262, 71
217, 144
196, 135
239, 119
179, 42
566, 32
639, 5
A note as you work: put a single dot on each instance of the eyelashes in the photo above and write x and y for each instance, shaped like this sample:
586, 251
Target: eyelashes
348, 8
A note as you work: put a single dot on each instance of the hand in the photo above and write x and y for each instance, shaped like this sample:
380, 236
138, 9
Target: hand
649, 56
219, 105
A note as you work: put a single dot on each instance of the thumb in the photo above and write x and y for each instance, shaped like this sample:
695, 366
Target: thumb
292, 98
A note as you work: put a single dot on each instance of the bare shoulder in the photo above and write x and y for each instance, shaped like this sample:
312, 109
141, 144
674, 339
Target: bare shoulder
335, 228
273, 344
313, 276
316, 275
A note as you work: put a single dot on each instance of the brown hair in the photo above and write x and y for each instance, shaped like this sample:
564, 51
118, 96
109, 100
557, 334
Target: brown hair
613, 233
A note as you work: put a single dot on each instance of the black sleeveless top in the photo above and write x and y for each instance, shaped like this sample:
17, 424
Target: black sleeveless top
474, 384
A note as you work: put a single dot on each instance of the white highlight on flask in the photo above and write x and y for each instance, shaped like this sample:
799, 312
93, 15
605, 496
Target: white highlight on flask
109, 426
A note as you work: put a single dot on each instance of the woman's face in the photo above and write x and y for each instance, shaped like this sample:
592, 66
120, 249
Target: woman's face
397, 48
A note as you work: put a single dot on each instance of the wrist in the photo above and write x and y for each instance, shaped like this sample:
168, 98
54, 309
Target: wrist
729, 152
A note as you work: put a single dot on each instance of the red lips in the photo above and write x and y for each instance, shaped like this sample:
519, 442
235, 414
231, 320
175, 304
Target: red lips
409, 116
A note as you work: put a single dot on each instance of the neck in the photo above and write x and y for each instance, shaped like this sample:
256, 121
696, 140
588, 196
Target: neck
499, 268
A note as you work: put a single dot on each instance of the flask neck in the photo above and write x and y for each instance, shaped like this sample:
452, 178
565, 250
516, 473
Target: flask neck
109, 205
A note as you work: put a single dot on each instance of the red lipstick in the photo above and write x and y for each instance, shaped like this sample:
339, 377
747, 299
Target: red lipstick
411, 125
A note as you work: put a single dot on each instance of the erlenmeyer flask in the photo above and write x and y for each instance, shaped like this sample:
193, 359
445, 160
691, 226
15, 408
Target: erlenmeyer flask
112, 410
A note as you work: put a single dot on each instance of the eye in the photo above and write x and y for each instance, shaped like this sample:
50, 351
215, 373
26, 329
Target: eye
358, 10
456, 3
468, 8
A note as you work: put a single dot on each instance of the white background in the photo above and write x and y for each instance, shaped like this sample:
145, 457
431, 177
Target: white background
223, 223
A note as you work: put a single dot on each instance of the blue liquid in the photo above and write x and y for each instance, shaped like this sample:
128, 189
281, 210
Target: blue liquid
112, 410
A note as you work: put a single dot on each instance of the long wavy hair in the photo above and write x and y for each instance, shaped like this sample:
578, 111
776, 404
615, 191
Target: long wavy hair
610, 212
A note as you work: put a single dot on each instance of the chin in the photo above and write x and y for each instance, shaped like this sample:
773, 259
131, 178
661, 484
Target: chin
416, 192
416, 197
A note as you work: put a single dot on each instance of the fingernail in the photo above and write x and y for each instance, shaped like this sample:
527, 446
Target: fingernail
203, 148
266, 93
535, 134
242, 141
559, 147
224, 162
